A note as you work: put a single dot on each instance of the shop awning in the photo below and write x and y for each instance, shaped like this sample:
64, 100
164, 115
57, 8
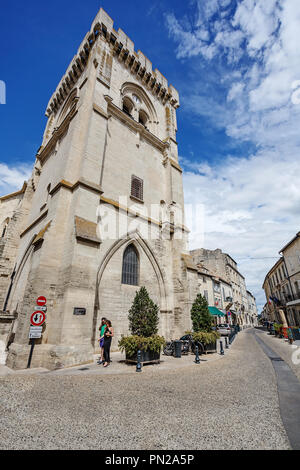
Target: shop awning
216, 312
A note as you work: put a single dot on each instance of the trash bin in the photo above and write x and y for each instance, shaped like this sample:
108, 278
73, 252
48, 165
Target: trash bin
177, 349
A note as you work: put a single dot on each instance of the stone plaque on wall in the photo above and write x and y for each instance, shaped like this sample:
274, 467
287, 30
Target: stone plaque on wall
79, 311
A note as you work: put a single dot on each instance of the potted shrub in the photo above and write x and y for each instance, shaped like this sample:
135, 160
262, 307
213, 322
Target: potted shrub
143, 323
202, 325
278, 330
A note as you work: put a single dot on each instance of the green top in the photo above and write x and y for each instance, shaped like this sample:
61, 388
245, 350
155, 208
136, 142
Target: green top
216, 311
102, 330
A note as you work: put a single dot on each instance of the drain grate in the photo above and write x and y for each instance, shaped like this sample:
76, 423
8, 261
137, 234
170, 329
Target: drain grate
276, 359
84, 368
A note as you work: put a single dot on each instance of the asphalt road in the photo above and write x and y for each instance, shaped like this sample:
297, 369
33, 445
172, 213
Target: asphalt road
231, 403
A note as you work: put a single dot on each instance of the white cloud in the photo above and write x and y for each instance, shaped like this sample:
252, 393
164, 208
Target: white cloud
13, 177
258, 20
251, 204
251, 209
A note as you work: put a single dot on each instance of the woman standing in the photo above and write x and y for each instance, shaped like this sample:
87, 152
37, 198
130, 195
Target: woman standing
101, 341
108, 335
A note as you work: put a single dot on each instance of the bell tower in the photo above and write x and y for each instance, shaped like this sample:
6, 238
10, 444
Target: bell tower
107, 213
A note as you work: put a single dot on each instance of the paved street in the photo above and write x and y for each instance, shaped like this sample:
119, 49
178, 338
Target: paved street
230, 402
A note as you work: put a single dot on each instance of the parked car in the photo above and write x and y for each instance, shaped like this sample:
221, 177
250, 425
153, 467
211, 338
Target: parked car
224, 329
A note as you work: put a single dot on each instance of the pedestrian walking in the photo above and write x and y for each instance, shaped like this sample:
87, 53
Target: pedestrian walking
102, 329
108, 335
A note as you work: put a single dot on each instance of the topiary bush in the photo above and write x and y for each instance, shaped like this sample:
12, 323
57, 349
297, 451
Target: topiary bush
143, 315
201, 318
143, 323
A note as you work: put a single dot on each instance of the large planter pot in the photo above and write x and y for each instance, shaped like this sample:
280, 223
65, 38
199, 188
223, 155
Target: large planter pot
146, 357
211, 347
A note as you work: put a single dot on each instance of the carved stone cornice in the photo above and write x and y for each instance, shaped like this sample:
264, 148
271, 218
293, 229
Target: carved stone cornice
44, 152
176, 165
80, 183
33, 224
17, 193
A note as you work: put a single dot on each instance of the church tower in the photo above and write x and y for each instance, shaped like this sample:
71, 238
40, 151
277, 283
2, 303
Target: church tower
106, 216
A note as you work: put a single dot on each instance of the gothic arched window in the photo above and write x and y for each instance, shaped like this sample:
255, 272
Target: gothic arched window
130, 270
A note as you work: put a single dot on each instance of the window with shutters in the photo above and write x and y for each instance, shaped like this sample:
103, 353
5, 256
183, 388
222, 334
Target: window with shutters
130, 270
137, 188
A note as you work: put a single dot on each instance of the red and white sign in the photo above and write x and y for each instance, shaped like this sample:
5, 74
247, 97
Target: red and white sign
41, 301
38, 318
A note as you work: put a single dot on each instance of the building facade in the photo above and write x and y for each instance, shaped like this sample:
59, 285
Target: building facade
276, 287
230, 292
252, 312
106, 212
217, 291
282, 286
103, 211
291, 257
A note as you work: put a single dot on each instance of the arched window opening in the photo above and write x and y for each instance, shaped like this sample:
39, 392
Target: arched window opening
127, 106
70, 102
130, 270
143, 118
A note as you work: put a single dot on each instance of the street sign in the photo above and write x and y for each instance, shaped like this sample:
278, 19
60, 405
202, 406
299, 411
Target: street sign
35, 332
41, 309
37, 318
41, 301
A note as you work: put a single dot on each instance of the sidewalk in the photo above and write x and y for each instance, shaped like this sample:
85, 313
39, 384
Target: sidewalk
284, 349
118, 365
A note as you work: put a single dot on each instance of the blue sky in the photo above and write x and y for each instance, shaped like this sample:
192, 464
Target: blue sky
235, 64
43, 43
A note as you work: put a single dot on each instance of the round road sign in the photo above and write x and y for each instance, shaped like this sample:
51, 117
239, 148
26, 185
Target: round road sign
38, 318
41, 301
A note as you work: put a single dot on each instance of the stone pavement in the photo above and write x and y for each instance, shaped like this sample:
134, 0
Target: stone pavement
118, 365
227, 403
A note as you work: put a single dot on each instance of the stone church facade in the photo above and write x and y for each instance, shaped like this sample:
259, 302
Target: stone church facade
103, 212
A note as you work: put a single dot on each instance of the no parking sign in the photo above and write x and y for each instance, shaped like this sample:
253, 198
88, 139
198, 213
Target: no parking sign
38, 318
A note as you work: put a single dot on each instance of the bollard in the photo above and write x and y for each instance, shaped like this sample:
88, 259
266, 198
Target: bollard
177, 349
197, 358
139, 365
226, 343
221, 348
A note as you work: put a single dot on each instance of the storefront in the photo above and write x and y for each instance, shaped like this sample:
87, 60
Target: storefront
219, 316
